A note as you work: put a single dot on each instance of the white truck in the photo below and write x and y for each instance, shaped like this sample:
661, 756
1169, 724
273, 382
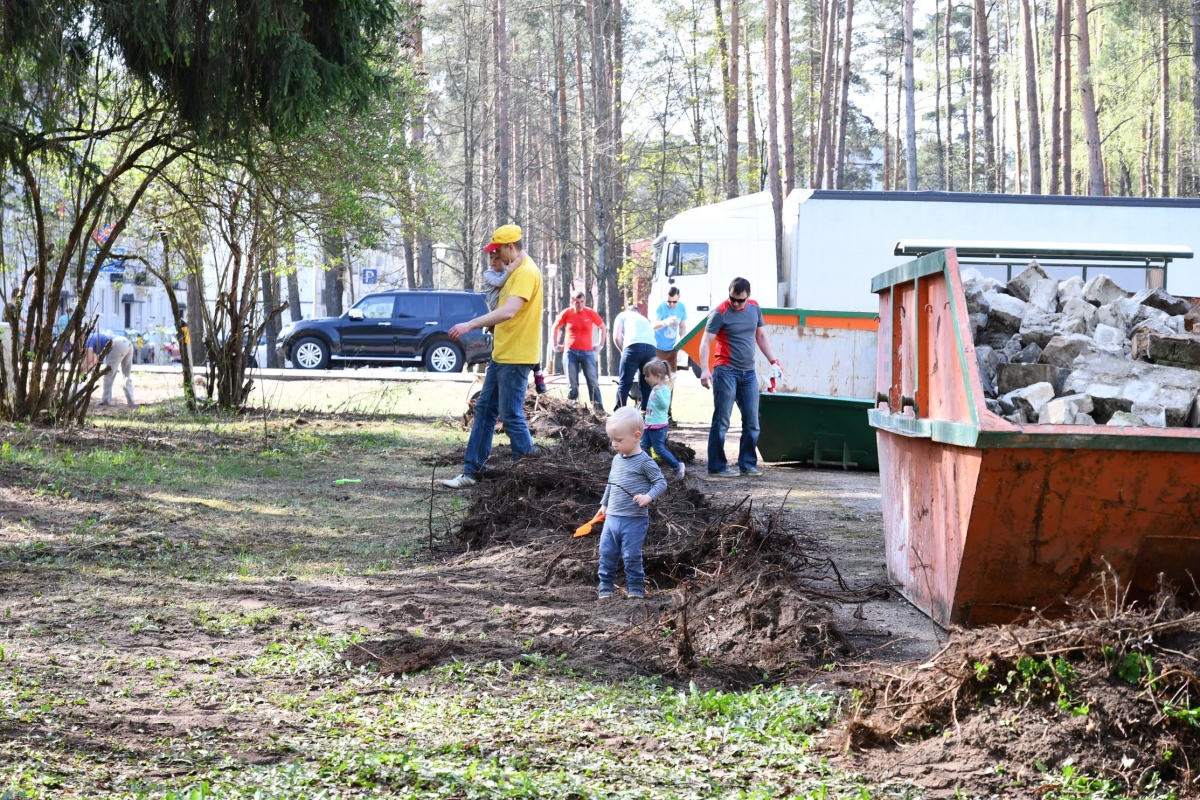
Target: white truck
835, 241
819, 307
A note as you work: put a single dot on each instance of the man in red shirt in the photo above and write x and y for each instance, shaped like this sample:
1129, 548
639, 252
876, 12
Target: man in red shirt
578, 322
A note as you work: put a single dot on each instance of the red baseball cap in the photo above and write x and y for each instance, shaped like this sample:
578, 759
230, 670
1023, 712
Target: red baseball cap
491, 247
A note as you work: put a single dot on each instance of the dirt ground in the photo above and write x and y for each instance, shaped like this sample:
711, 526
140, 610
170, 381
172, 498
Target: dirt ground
189, 602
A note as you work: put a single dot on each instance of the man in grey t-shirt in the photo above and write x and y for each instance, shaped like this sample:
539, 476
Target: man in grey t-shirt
736, 325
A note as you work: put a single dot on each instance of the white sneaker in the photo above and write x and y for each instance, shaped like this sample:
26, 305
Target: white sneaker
461, 482
679, 473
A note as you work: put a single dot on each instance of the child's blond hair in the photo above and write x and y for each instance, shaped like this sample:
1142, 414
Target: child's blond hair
626, 419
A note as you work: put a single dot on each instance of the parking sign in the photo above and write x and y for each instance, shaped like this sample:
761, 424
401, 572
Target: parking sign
370, 276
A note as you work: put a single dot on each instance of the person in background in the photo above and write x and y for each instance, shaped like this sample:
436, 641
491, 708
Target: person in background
64, 320
517, 320
119, 356
736, 325
657, 375
494, 278
634, 337
670, 324
578, 322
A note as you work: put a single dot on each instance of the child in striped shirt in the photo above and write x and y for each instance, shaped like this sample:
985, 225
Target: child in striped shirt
634, 481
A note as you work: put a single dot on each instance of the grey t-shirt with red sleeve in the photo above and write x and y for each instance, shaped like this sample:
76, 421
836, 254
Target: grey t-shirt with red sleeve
735, 333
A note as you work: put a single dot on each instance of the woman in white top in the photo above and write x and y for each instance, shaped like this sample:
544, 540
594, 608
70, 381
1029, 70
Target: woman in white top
634, 335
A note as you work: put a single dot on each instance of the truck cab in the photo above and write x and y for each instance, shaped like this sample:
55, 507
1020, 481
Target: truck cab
701, 250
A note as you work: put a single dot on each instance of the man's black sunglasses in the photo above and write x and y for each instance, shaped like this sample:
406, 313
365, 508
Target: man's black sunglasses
738, 300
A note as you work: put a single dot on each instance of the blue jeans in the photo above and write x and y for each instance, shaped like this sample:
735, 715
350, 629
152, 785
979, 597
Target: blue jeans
657, 439
633, 358
583, 360
731, 384
623, 538
503, 396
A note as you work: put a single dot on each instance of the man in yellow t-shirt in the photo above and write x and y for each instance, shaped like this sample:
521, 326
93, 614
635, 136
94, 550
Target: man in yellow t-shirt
516, 348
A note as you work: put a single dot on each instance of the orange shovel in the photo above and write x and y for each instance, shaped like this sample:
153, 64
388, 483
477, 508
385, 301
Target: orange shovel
586, 528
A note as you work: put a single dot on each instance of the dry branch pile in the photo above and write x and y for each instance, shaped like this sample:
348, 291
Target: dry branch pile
1111, 689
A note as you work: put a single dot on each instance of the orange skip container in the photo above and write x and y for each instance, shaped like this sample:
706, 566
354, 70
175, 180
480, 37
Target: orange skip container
984, 519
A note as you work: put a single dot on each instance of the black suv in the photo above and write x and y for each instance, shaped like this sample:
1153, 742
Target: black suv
401, 328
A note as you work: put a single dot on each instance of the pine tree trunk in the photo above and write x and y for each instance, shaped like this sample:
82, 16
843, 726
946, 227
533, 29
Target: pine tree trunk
753, 165
910, 110
293, 283
1195, 96
562, 167
844, 111
1164, 159
1068, 182
937, 102
1087, 102
899, 106
785, 68
985, 89
723, 59
887, 124
732, 117
1031, 101
1056, 59
973, 120
949, 100
824, 117
1019, 174
773, 176
503, 134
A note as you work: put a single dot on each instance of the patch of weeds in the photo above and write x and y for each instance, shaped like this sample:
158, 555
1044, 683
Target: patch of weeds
308, 654
202, 615
1071, 783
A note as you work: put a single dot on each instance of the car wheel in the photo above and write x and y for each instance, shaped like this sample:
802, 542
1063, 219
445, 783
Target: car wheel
310, 353
443, 357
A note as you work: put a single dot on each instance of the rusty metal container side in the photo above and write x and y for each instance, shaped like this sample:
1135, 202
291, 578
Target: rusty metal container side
817, 414
984, 519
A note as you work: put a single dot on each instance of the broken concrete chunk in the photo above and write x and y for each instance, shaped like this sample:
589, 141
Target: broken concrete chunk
1007, 311
993, 405
1065, 410
1084, 419
1171, 349
1030, 354
988, 361
1029, 400
1039, 328
1016, 418
1101, 290
1146, 314
1163, 301
1191, 320
1108, 336
1068, 290
1044, 297
1116, 384
1124, 419
1073, 324
1062, 350
1120, 314
1176, 324
1011, 377
978, 324
1154, 416
979, 301
1079, 309
1023, 284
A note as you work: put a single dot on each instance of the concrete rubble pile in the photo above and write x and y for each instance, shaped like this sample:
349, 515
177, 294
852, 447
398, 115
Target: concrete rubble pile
1084, 353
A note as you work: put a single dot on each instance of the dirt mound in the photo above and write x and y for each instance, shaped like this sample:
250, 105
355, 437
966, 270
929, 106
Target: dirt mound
1110, 691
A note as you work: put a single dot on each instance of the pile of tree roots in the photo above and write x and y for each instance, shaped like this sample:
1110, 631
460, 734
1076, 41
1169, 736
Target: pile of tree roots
1111, 690
732, 590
